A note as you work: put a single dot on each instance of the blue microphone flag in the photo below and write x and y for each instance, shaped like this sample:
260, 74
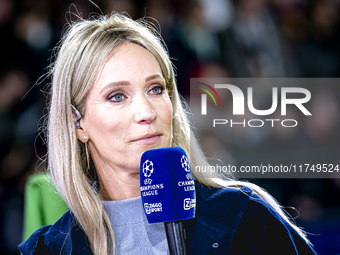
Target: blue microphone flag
167, 186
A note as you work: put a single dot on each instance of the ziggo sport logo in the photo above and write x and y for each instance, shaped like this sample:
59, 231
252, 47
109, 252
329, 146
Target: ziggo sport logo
238, 104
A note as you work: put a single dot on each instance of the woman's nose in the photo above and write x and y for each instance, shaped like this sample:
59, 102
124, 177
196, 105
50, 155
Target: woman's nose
144, 111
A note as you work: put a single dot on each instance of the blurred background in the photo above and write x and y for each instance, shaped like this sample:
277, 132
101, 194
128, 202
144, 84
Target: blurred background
205, 38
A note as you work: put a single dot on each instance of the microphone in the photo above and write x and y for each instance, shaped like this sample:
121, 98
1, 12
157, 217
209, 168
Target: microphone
168, 192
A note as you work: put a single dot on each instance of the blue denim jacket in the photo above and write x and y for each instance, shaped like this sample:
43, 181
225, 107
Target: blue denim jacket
228, 221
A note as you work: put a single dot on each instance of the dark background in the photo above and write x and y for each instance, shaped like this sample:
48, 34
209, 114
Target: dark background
206, 38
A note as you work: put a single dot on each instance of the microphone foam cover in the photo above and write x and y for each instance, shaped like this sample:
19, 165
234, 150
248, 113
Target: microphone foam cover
167, 186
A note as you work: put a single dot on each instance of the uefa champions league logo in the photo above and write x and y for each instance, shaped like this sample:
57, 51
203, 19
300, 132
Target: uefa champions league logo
147, 168
185, 163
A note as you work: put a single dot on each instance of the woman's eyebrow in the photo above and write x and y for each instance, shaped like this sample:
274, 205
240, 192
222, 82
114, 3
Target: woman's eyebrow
154, 76
114, 84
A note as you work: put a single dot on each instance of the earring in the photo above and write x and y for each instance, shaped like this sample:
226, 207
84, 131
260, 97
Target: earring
87, 152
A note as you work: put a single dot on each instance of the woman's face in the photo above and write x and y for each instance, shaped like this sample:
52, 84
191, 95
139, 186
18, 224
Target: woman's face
128, 110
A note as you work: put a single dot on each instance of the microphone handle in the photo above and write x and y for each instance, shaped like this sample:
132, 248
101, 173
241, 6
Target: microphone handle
175, 235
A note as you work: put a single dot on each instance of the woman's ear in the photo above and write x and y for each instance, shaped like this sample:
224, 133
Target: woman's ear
81, 131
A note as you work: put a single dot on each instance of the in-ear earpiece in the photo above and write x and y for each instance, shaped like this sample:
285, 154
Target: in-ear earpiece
78, 116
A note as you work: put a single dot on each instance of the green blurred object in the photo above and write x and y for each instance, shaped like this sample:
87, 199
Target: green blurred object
43, 204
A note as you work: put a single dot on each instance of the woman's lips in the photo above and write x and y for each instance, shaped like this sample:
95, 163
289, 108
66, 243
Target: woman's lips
148, 139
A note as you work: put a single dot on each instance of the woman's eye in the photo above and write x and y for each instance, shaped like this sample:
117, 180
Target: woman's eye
117, 97
157, 90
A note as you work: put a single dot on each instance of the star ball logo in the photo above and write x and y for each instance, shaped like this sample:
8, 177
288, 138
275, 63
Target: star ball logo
185, 163
239, 102
148, 168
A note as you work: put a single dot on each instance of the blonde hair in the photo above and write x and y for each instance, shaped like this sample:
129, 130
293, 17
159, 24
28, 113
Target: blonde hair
81, 54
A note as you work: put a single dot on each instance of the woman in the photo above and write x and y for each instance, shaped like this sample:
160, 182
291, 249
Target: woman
114, 76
